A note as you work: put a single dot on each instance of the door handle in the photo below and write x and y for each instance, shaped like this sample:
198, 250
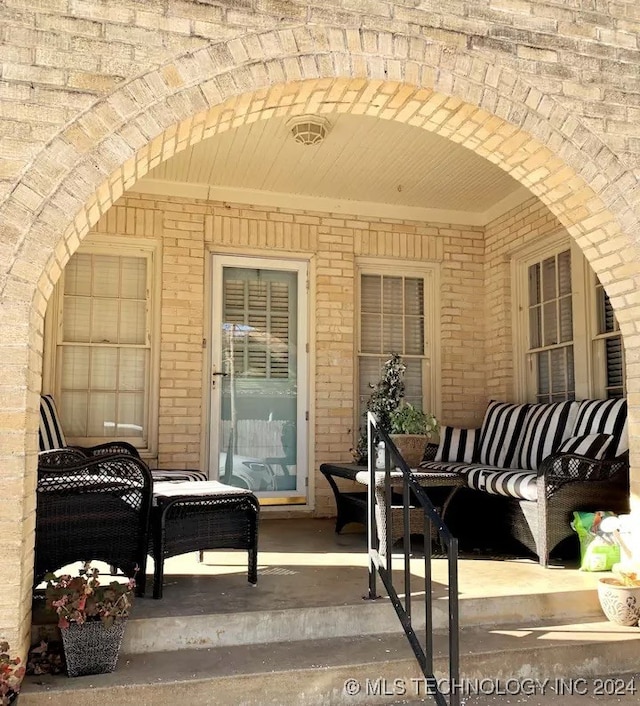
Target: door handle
213, 377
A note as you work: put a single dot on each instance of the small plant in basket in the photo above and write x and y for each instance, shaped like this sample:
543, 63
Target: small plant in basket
11, 674
91, 617
78, 599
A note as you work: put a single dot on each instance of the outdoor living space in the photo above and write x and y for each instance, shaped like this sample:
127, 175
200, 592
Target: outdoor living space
305, 627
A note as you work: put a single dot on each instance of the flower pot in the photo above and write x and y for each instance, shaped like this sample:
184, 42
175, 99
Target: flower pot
92, 647
411, 447
621, 604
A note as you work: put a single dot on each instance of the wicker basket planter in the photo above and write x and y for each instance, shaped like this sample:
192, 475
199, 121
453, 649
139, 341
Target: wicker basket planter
92, 647
621, 604
410, 446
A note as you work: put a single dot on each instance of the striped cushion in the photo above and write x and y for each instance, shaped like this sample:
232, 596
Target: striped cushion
604, 417
444, 466
456, 444
499, 434
51, 436
591, 445
545, 428
176, 476
512, 484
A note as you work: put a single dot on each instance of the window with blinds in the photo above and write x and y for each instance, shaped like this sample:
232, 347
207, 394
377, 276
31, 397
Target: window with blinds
608, 346
551, 328
392, 320
570, 343
103, 348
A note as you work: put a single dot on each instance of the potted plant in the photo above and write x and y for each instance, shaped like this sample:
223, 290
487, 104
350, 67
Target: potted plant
620, 595
91, 618
11, 674
387, 395
411, 428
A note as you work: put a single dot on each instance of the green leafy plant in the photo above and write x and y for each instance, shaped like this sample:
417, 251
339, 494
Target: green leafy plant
11, 674
386, 396
77, 599
407, 419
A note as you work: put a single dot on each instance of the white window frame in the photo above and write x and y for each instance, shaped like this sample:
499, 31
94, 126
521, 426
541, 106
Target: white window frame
51, 381
431, 378
588, 366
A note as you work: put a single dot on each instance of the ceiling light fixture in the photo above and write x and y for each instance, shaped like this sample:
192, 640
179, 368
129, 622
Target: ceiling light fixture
308, 129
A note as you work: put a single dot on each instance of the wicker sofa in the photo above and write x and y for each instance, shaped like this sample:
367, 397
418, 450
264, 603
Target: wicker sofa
534, 464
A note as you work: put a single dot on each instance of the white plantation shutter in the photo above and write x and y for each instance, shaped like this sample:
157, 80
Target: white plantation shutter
103, 353
260, 314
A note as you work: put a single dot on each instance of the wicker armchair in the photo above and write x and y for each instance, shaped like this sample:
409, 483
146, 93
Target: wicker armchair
96, 508
569, 482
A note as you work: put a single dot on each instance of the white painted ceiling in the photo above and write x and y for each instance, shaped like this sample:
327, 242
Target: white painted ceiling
361, 159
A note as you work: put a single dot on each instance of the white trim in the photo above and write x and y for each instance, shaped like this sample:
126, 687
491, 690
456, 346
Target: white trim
119, 246
304, 202
302, 266
588, 364
430, 272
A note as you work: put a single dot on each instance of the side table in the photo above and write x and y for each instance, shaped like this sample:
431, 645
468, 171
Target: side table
352, 506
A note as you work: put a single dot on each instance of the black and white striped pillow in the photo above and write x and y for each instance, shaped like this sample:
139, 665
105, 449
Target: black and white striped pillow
593, 446
604, 417
50, 433
545, 428
456, 444
500, 431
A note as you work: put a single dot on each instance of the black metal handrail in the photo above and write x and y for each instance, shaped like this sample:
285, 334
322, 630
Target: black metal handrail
412, 493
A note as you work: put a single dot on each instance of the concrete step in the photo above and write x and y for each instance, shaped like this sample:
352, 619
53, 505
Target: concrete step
366, 618
316, 672
155, 627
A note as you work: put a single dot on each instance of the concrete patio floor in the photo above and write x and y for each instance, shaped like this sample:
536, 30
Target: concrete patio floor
302, 563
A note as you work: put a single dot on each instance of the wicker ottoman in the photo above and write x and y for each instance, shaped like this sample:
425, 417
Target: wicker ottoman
196, 516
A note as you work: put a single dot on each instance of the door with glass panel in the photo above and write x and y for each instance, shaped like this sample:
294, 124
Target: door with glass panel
258, 377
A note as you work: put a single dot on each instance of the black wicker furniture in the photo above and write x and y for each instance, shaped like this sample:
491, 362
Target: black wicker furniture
189, 517
92, 508
530, 466
352, 506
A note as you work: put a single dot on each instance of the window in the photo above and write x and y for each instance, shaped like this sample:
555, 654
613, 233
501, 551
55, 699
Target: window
608, 349
398, 315
101, 355
567, 341
551, 328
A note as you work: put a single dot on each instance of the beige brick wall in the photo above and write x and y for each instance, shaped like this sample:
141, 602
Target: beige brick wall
188, 230
527, 224
93, 94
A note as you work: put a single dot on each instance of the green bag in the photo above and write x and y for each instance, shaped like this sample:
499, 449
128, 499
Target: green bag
599, 550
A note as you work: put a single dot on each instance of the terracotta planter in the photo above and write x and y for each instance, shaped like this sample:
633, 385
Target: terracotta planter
411, 447
621, 604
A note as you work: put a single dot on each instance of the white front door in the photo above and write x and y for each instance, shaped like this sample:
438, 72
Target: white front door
258, 428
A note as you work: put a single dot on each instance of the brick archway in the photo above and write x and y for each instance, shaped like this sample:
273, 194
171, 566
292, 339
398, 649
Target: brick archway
469, 100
